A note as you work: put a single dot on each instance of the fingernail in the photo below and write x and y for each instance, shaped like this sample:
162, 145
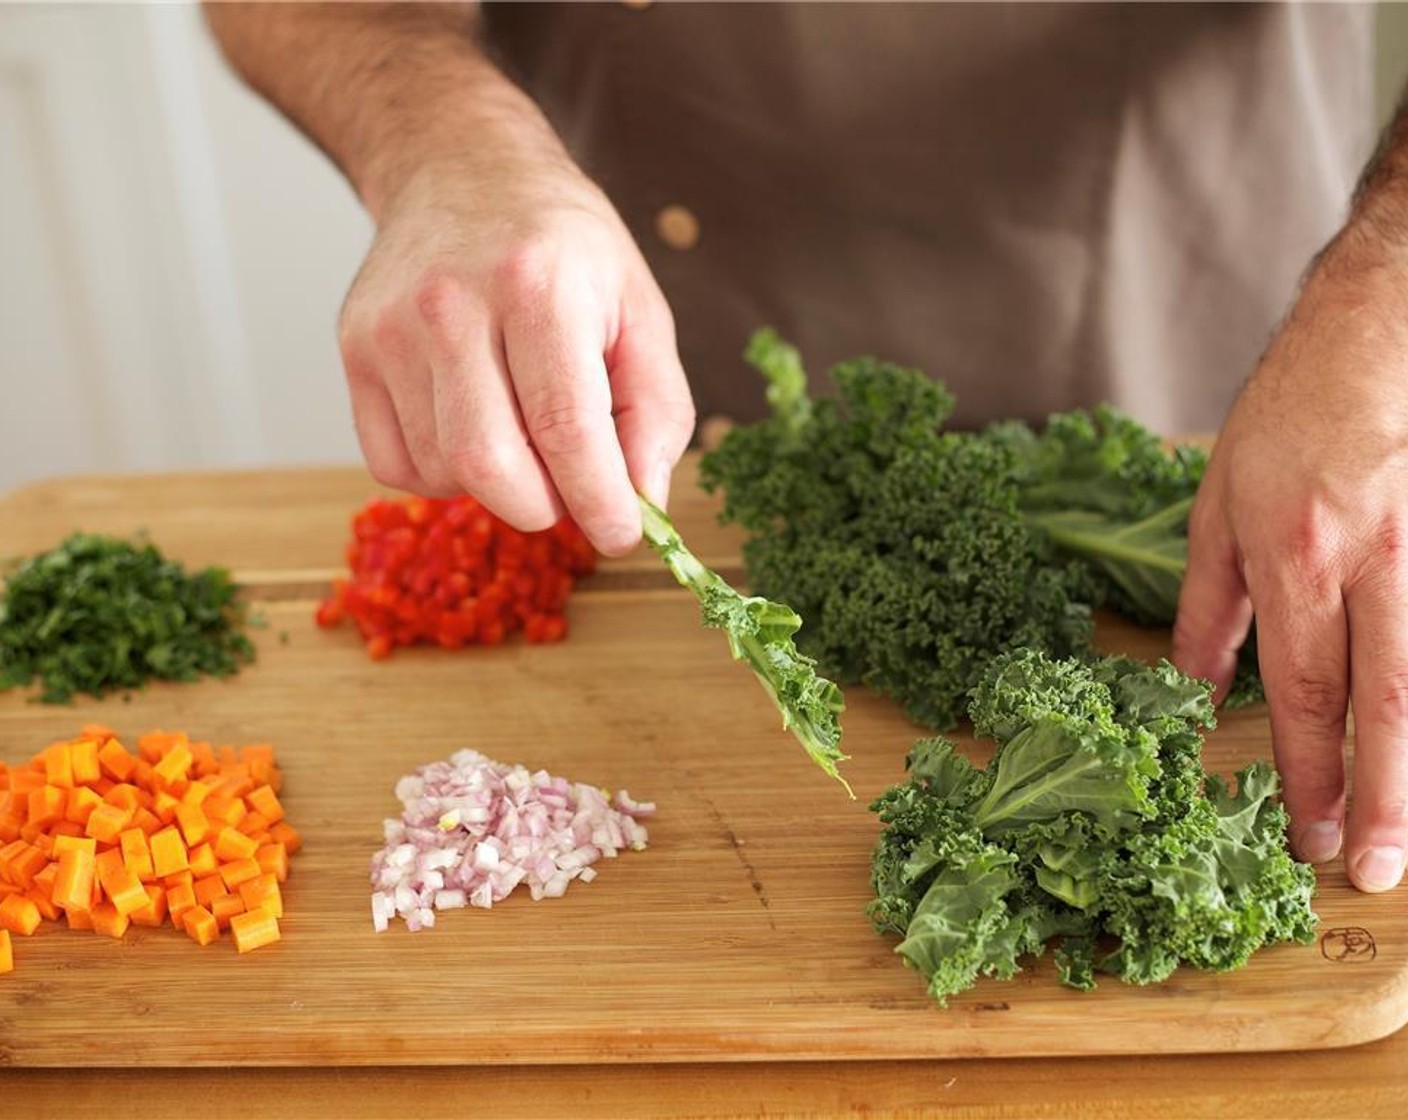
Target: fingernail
659, 492
1320, 842
1379, 869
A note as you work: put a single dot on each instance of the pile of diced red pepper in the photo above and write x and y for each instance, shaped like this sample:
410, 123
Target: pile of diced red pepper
450, 573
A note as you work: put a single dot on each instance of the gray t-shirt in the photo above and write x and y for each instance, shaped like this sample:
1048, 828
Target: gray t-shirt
1044, 205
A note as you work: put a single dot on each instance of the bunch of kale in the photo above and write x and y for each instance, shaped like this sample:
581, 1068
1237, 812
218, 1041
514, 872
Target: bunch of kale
1094, 825
917, 555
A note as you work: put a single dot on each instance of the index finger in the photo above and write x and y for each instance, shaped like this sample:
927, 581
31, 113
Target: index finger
1378, 816
559, 374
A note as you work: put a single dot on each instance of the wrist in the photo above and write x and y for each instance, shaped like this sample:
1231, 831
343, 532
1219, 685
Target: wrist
476, 129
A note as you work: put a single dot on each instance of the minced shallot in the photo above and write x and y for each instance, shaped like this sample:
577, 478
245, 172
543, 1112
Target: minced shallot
473, 829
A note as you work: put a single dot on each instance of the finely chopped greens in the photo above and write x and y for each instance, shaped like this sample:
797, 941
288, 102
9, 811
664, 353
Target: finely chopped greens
917, 555
1093, 825
97, 615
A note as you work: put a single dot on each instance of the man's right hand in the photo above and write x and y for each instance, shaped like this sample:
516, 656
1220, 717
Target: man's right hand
505, 338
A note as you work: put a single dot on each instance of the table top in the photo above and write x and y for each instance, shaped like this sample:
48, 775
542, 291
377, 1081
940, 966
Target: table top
289, 522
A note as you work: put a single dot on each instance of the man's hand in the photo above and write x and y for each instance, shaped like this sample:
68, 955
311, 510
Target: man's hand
1303, 518
504, 337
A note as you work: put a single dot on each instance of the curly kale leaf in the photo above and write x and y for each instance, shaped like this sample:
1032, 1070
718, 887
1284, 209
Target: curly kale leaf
1094, 822
903, 546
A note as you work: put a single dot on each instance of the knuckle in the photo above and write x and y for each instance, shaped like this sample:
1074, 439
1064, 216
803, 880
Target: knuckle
1312, 700
441, 301
1389, 700
389, 335
1314, 552
562, 428
479, 466
524, 272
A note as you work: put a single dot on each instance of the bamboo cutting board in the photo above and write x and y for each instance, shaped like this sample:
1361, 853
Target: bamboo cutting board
739, 934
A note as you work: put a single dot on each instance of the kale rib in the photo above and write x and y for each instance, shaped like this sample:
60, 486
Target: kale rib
759, 633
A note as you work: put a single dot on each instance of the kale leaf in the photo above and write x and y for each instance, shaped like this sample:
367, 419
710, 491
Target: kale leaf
904, 547
1094, 825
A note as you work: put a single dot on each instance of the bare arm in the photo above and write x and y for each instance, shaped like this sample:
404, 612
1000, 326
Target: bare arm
504, 336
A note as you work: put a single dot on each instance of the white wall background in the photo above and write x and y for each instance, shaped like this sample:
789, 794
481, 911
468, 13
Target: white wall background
172, 254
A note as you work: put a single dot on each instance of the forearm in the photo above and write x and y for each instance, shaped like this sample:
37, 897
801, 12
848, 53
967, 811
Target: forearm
384, 89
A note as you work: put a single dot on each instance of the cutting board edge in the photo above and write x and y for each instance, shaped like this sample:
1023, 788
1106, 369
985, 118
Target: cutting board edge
1244, 1034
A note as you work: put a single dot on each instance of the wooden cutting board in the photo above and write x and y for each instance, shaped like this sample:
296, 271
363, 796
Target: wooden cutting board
740, 932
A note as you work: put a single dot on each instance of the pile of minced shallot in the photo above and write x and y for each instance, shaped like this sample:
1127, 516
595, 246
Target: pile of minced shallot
473, 829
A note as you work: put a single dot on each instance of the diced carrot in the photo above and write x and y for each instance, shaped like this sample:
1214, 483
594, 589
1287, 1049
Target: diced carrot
109, 920
26, 781
115, 762
179, 899
173, 765
86, 767
201, 925
99, 731
7, 952
168, 852
197, 792
81, 803
193, 823
23, 863
46, 805
226, 907
124, 795
58, 765
136, 854
106, 822
231, 845
64, 844
285, 834
180, 878
254, 929
239, 871
273, 859
203, 861
153, 914
264, 800
44, 881
220, 810
73, 886
102, 838
124, 890
253, 823
108, 862
164, 806
204, 757
44, 902
263, 891
19, 914
80, 919
209, 889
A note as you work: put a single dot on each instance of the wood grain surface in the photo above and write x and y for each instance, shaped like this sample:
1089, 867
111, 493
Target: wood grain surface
737, 935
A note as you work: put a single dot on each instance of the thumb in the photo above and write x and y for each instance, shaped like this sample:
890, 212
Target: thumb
1214, 611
